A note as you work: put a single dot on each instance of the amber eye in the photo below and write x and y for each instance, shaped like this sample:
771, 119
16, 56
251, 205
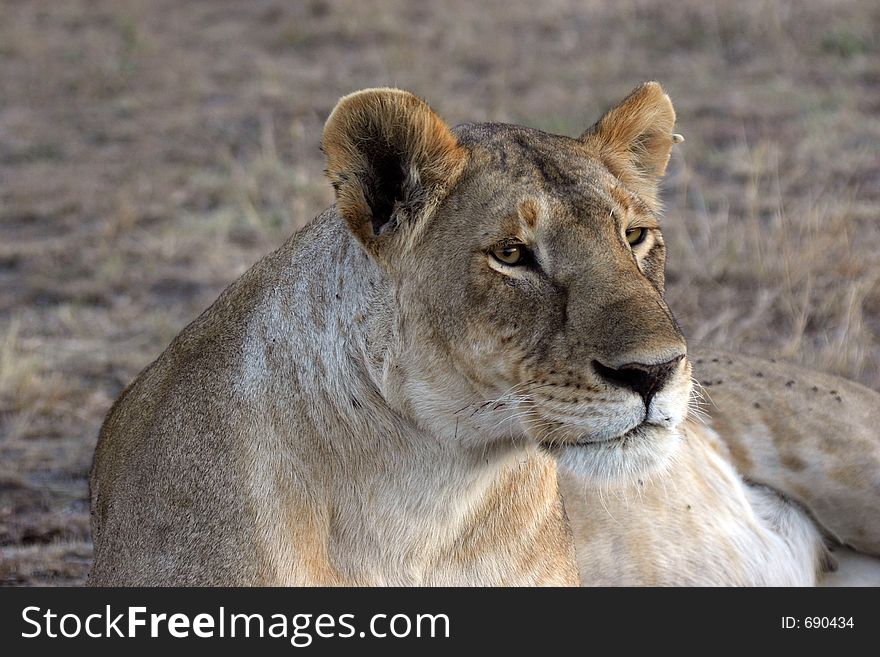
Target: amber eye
510, 254
636, 236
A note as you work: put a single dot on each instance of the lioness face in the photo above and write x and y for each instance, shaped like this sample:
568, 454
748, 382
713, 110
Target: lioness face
534, 280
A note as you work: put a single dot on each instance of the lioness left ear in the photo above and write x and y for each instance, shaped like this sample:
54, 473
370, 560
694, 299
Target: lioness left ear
390, 159
634, 139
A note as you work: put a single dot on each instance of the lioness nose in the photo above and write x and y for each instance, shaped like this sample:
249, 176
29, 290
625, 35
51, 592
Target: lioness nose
646, 380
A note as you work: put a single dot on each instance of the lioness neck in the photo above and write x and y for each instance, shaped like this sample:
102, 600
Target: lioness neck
359, 493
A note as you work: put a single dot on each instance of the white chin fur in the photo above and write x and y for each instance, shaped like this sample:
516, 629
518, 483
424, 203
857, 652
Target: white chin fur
616, 462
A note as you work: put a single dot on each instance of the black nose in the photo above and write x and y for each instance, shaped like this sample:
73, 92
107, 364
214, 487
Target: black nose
646, 380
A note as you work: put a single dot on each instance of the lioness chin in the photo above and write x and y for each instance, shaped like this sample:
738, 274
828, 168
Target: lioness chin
383, 399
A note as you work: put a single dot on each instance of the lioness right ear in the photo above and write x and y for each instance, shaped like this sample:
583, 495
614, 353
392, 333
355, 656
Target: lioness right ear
635, 138
390, 159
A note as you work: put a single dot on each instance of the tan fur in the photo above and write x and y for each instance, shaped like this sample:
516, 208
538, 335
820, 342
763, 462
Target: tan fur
384, 401
812, 436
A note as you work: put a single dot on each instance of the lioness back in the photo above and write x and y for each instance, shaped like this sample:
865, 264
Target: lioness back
172, 462
813, 436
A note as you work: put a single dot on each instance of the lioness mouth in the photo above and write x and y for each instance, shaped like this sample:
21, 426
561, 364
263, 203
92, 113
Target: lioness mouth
636, 432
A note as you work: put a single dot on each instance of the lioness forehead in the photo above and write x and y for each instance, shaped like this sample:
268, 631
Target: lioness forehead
552, 160
547, 165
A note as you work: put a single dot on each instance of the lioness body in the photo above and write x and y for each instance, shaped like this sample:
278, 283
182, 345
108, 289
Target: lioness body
387, 397
812, 436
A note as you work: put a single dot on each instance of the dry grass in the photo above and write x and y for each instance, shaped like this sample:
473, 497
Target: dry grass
150, 151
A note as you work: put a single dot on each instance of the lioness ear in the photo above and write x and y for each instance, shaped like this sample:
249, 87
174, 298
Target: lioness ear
634, 139
391, 159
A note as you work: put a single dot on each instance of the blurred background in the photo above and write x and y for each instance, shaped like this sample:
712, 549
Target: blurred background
151, 151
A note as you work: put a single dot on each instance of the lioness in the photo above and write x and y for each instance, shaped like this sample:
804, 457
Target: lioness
385, 399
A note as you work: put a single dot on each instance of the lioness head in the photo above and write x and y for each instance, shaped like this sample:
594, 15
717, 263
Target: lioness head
527, 272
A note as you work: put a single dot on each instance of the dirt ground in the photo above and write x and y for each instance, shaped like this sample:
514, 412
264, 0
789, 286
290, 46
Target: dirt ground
150, 151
